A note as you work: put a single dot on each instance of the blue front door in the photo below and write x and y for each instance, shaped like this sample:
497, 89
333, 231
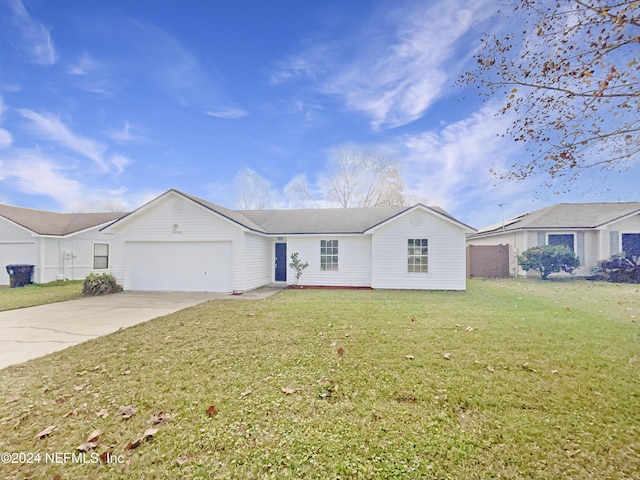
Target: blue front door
281, 262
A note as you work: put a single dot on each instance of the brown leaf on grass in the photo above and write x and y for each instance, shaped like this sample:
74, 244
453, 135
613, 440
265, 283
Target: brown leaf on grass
104, 413
94, 436
79, 388
447, 355
413, 319
150, 432
46, 432
127, 411
490, 368
135, 444
469, 328
341, 351
57, 477
409, 357
288, 390
60, 400
212, 410
161, 417
246, 393
86, 446
182, 459
92, 441
554, 371
105, 457
12, 398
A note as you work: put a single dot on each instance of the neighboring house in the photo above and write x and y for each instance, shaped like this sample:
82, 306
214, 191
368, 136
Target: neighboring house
180, 242
59, 245
594, 231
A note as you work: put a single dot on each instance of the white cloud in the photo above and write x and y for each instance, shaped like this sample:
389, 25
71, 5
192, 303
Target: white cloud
31, 36
127, 134
450, 166
227, 112
5, 138
35, 174
85, 66
49, 127
119, 161
394, 78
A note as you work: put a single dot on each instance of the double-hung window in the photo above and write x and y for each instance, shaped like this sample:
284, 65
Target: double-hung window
329, 255
566, 239
418, 255
100, 256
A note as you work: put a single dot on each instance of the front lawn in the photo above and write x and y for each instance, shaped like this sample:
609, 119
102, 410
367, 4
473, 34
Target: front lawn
39, 294
511, 379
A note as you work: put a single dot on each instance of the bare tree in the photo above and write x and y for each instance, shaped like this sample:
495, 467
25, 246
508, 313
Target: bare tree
571, 77
362, 179
254, 191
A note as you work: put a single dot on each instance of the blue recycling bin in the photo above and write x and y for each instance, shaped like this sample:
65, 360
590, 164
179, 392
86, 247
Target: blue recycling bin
20, 275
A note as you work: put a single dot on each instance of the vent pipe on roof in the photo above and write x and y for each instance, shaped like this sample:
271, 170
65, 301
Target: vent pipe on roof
502, 214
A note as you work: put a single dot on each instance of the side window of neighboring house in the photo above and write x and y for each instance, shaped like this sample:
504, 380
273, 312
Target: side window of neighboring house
566, 239
418, 255
329, 255
631, 244
100, 256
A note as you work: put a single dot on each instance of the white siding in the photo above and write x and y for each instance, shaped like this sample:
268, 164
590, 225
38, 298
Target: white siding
257, 258
447, 258
71, 257
172, 218
17, 246
354, 260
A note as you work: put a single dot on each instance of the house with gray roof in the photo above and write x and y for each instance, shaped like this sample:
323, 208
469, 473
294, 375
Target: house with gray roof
59, 245
181, 242
594, 231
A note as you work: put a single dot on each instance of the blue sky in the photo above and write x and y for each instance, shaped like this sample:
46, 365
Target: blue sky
122, 100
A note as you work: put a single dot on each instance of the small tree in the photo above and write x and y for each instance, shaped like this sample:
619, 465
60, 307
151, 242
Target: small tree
620, 268
297, 265
548, 259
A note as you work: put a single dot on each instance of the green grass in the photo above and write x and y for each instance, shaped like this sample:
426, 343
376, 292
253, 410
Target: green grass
546, 385
39, 294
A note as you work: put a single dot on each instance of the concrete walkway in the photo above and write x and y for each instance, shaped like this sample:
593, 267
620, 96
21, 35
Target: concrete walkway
32, 332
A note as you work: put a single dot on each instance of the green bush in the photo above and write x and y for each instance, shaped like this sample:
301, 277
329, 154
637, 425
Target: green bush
548, 259
102, 284
619, 268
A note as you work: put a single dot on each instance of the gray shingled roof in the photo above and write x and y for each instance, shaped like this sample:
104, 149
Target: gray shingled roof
310, 221
52, 223
321, 220
567, 215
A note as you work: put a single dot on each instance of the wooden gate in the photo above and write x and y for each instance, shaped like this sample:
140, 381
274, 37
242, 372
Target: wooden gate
490, 261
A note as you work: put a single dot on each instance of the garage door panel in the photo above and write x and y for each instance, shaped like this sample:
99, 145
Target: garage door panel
178, 266
13, 254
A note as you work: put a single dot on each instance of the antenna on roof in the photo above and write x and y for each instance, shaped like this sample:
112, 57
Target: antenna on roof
502, 213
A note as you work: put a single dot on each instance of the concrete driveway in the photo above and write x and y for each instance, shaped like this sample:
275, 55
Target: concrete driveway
31, 332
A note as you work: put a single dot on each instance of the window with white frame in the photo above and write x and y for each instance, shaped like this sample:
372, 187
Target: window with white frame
418, 255
631, 244
566, 239
100, 256
329, 255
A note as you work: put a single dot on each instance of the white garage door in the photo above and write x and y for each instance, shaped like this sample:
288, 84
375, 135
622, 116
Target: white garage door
178, 266
15, 253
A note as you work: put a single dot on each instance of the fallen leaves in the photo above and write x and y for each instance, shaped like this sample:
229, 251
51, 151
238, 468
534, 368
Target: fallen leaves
150, 432
104, 413
341, 351
409, 357
288, 390
91, 442
212, 410
246, 393
161, 417
127, 411
46, 432
447, 355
